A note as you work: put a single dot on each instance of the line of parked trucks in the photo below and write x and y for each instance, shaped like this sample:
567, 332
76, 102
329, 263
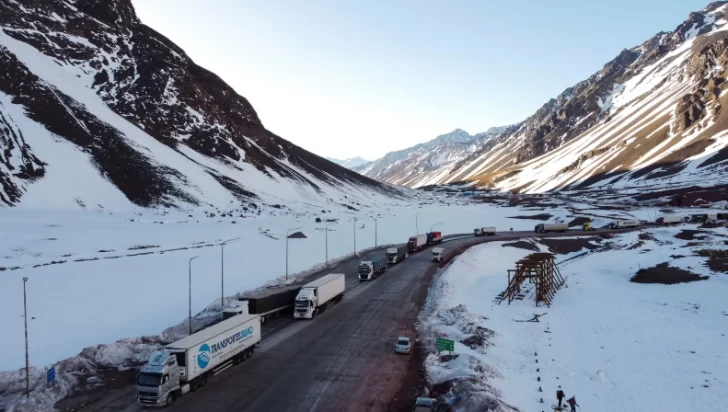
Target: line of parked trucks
633, 223
185, 365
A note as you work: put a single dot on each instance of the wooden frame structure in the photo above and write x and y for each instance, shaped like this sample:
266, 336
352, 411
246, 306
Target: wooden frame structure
538, 268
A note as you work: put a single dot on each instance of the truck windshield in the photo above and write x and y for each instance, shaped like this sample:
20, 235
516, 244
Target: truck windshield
149, 379
302, 304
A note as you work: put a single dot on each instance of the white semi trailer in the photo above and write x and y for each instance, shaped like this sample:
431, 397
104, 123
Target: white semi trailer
623, 224
314, 297
185, 365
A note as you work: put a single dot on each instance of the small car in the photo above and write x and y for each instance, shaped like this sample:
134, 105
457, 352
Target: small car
403, 345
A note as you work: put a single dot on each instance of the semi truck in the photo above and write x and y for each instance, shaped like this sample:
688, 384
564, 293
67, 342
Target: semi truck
417, 243
551, 227
397, 254
267, 303
670, 220
484, 231
185, 365
316, 296
370, 269
437, 254
623, 224
434, 238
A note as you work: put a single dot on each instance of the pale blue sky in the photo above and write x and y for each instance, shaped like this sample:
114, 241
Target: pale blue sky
361, 78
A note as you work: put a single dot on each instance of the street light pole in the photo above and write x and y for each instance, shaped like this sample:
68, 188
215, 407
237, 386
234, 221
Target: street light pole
417, 222
222, 270
287, 233
376, 229
27, 359
189, 313
355, 236
222, 275
327, 243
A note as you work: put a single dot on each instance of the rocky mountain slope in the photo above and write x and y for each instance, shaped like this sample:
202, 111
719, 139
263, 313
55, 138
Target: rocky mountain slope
351, 163
428, 162
651, 117
99, 110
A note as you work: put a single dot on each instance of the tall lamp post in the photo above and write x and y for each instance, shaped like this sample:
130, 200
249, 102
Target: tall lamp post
27, 359
287, 233
222, 270
327, 242
189, 313
355, 236
376, 229
417, 222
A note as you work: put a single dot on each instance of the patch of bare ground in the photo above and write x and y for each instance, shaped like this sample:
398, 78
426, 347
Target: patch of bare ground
579, 221
540, 216
712, 225
666, 275
140, 247
717, 259
570, 245
689, 234
97, 386
522, 244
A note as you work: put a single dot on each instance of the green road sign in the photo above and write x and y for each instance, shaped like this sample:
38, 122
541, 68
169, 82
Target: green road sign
445, 344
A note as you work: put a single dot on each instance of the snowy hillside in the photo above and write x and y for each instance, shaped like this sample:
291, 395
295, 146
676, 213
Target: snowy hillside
621, 334
351, 163
427, 162
98, 110
650, 116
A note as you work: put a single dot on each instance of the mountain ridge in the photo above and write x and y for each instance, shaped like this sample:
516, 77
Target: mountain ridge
141, 117
641, 119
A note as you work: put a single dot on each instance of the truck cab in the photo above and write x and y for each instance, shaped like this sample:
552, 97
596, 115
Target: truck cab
236, 308
366, 270
477, 232
437, 254
306, 302
158, 382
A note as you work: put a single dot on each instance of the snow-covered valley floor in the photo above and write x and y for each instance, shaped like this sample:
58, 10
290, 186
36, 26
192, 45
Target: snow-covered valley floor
615, 345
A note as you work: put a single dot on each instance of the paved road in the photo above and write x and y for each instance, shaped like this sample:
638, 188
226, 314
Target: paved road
342, 360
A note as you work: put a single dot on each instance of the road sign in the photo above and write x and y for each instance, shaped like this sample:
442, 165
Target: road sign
445, 344
51, 375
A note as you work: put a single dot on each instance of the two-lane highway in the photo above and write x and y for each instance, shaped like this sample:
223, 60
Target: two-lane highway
343, 359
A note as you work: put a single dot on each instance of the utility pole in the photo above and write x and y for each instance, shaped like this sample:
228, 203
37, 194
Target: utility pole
287, 233
189, 313
27, 358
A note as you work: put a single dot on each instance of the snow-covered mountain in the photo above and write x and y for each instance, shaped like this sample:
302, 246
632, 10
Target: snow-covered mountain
99, 110
650, 117
429, 161
351, 163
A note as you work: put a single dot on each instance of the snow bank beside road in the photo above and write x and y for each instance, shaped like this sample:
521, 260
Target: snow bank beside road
614, 344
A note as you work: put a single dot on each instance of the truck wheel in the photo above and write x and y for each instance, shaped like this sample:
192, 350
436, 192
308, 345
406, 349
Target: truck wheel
236, 359
170, 399
194, 385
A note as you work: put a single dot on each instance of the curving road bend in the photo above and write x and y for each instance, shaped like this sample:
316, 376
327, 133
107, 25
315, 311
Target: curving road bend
343, 359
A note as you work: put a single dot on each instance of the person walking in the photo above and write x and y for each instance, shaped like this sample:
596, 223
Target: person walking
572, 402
560, 395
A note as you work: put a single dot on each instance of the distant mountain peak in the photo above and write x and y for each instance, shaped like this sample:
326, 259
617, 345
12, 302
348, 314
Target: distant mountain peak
350, 163
652, 114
